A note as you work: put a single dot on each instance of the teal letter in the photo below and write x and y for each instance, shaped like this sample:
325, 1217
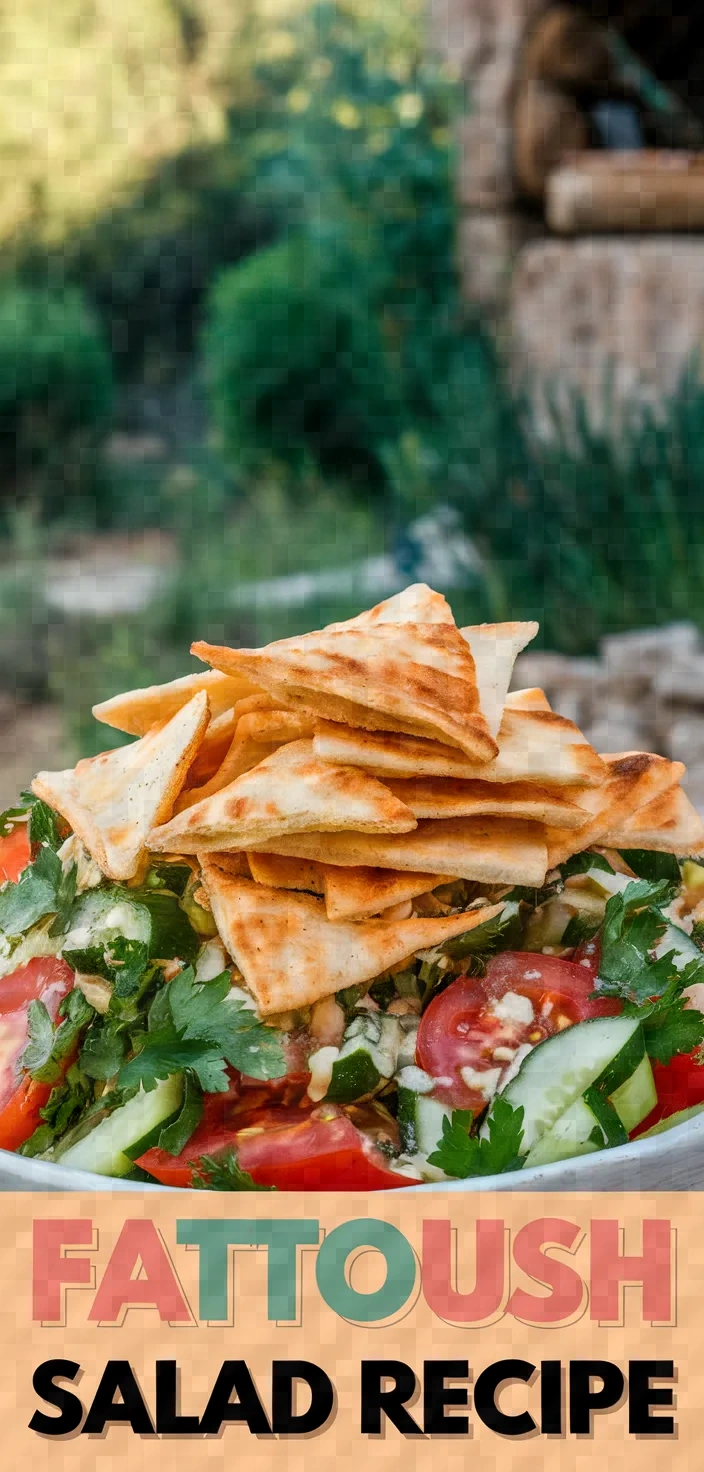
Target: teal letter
366, 1308
214, 1238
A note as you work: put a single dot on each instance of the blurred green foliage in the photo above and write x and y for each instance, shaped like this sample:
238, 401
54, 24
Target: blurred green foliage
56, 386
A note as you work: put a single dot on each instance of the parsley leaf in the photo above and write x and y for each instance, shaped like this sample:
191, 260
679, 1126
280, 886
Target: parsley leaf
176, 1135
128, 961
654, 866
165, 1053
63, 1108
460, 1154
33, 896
496, 934
103, 1050
224, 1174
631, 930
48, 1046
44, 824
10, 819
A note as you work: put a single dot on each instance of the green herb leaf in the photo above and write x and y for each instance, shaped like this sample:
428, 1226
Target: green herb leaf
36, 894
173, 877
10, 819
462, 1155
165, 1053
582, 863
224, 1174
65, 897
579, 929
103, 1051
48, 1046
176, 1135
128, 961
44, 825
632, 928
484, 940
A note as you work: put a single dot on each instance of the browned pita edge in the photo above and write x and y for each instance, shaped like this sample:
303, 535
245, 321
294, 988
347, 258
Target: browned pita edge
415, 677
213, 748
494, 650
669, 824
489, 850
291, 955
276, 726
280, 873
112, 801
355, 894
240, 757
136, 711
450, 797
634, 779
535, 745
290, 792
417, 604
531, 698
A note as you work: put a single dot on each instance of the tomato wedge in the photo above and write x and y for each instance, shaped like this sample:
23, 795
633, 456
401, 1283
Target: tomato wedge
14, 853
478, 1024
679, 1085
47, 979
317, 1150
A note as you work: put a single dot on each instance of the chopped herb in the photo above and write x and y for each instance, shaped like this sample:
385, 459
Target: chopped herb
44, 825
173, 877
653, 866
460, 1154
48, 1045
176, 1135
224, 1174
582, 863
10, 819
205, 1030
42, 889
103, 1051
501, 932
128, 961
579, 929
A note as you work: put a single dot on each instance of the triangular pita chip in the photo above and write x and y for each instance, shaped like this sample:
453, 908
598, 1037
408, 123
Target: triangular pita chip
530, 699
113, 801
491, 850
213, 748
354, 894
450, 797
494, 650
634, 779
417, 604
280, 873
276, 726
418, 678
137, 710
240, 757
291, 792
669, 824
291, 955
534, 746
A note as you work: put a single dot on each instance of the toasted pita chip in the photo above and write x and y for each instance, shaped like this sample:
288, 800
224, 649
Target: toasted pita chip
291, 955
113, 801
290, 792
670, 824
417, 604
280, 873
531, 699
449, 797
249, 703
240, 757
137, 710
494, 650
635, 778
418, 678
491, 850
276, 726
534, 746
355, 894
213, 748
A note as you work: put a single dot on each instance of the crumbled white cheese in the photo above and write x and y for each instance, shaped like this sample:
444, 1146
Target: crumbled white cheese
513, 1068
504, 1055
238, 994
415, 1079
321, 1066
484, 1080
513, 1008
212, 961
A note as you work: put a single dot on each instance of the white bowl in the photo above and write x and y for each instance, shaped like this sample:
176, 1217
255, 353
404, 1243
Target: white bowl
672, 1161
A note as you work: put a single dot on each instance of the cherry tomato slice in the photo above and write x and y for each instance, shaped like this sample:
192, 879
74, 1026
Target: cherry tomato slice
319, 1150
46, 979
679, 1085
14, 853
588, 955
477, 1025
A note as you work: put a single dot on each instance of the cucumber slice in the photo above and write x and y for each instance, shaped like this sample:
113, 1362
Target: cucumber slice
670, 1124
577, 1132
367, 1057
682, 944
604, 1051
152, 917
103, 1150
420, 1122
634, 1100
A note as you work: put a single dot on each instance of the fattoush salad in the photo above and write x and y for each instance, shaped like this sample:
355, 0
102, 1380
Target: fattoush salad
346, 913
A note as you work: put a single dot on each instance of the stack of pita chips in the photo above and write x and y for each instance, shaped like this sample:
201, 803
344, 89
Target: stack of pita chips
324, 783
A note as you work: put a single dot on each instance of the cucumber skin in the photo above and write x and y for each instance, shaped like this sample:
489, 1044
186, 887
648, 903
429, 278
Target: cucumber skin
352, 1077
412, 1127
102, 1151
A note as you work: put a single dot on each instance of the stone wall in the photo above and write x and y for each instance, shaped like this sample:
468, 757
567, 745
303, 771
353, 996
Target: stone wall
644, 692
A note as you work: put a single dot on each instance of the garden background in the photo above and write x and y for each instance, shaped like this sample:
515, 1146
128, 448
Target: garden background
240, 392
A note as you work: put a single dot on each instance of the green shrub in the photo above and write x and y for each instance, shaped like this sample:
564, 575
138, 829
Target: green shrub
55, 388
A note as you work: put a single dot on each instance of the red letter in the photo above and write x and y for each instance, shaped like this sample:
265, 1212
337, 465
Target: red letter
568, 1291
139, 1241
610, 1270
487, 1297
51, 1270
